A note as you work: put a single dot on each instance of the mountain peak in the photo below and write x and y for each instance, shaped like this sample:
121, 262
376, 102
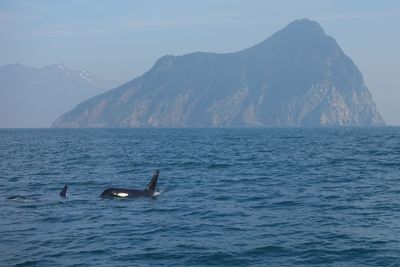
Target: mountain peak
56, 67
61, 66
15, 65
303, 28
306, 24
298, 35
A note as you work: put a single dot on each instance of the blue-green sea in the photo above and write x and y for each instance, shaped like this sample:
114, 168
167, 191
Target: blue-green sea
227, 197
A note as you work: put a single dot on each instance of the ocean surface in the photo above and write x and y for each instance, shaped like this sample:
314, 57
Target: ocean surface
227, 197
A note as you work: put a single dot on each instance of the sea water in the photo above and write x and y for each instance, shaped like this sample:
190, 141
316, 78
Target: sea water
226, 197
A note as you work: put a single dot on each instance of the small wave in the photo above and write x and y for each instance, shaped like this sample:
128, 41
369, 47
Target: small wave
219, 166
35, 263
219, 258
318, 256
157, 193
284, 203
269, 250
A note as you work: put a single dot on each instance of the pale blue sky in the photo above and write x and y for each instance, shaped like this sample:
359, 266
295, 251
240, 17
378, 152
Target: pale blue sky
119, 40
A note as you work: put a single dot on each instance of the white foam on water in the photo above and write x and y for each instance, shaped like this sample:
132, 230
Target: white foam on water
157, 193
19, 199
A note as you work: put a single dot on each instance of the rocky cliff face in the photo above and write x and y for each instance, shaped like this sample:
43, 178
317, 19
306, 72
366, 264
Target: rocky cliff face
297, 77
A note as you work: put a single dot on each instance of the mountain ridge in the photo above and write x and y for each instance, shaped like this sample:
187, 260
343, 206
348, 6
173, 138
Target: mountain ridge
299, 76
34, 97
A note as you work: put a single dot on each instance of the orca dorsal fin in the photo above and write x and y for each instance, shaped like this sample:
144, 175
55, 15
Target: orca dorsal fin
153, 182
63, 192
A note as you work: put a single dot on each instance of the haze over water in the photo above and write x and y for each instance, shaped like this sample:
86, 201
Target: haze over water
229, 197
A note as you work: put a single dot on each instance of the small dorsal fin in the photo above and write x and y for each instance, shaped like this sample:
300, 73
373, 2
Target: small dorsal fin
63, 192
153, 182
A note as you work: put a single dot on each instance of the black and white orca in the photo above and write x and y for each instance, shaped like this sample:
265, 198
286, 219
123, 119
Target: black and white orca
150, 190
63, 192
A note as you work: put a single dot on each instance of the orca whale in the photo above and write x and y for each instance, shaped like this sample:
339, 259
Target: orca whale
63, 192
132, 193
18, 198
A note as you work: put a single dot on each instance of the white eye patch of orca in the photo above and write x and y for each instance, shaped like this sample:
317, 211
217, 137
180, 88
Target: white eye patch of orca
121, 194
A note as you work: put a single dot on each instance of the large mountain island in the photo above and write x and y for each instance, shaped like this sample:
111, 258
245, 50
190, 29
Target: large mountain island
35, 97
297, 77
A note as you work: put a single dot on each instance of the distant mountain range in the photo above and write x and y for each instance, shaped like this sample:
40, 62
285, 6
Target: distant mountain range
297, 77
35, 97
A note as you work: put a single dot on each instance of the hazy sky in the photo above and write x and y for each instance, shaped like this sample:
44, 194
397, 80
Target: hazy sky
119, 40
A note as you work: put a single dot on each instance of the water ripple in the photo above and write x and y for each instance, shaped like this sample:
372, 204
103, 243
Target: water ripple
228, 197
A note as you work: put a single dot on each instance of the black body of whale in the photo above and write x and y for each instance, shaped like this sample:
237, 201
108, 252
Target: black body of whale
132, 193
63, 192
20, 198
